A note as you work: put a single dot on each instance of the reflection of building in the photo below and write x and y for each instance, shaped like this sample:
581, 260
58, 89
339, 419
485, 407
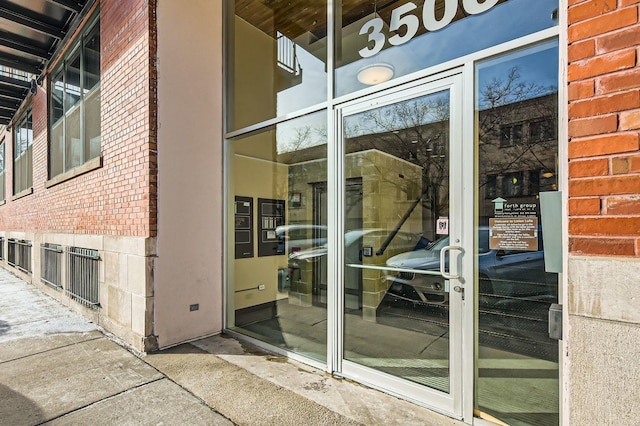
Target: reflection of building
518, 148
121, 159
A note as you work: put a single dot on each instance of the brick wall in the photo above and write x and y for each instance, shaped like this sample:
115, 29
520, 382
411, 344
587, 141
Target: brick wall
120, 197
604, 127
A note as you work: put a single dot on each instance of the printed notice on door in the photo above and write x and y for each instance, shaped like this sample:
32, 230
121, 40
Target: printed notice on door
513, 233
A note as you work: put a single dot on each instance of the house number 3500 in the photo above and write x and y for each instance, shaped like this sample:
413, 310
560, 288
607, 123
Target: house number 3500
401, 17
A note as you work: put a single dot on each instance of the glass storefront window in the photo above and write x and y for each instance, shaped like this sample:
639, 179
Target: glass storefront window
381, 40
277, 182
276, 59
517, 145
404, 210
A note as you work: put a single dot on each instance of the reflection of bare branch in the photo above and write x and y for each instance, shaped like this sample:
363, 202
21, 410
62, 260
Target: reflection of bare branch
509, 101
304, 137
416, 131
321, 131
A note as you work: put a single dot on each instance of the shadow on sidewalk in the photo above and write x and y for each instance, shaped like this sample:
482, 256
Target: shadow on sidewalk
17, 409
4, 327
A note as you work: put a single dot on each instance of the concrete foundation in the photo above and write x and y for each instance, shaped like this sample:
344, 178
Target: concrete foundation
603, 341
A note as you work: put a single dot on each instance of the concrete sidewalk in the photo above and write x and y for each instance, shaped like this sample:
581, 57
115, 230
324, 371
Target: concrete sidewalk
57, 368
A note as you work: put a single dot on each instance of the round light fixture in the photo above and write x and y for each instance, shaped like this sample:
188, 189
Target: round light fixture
375, 74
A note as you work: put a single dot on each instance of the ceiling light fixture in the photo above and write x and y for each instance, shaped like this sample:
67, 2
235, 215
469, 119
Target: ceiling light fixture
375, 74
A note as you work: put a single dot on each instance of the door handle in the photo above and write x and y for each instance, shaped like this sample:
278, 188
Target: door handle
443, 252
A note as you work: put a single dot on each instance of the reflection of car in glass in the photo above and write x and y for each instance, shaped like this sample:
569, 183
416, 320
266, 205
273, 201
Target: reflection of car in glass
514, 293
301, 236
505, 276
354, 241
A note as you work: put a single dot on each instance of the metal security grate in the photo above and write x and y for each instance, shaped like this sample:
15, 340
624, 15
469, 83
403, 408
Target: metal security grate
51, 264
82, 276
19, 254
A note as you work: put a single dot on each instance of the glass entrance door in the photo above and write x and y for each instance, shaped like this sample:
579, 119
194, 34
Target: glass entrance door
401, 286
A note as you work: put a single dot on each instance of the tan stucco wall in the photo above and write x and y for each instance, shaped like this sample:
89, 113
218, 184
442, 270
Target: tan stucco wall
383, 177
258, 179
188, 268
254, 98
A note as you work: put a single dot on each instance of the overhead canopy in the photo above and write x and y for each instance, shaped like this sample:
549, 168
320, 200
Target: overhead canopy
31, 33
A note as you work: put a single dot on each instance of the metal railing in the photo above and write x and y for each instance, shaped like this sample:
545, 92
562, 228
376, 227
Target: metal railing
51, 264
287, 55
83, 276
19, 254
11, 252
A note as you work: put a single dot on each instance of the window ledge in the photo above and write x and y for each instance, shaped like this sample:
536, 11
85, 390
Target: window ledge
24, 193
3, 202
90, 165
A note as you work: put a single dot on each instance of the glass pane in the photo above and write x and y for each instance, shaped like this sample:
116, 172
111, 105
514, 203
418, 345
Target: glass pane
92, 124
91, 58
2, 174
28, 169
24, 136
278, 235
17, 175
2, 168
16, 159
57, 93
56, 150
73, 144
517, 365
397, 193
28, 153
29, 128
72, 82
29, 149
382, 40
277, 59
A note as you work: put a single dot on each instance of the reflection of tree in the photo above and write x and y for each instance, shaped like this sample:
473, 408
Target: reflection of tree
302, 138
513, 117
416, 131
516, 131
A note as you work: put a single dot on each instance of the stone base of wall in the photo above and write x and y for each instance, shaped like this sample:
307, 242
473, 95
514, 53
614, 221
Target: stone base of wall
125, 280
603, 341
603, 372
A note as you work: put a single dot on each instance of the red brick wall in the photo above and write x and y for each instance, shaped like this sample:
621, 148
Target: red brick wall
604, 127
120, 197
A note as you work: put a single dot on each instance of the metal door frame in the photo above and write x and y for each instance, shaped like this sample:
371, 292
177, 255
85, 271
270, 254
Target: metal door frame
461, 194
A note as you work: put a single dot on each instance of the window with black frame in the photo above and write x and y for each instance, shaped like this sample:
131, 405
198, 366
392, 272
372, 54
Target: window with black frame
75, 105
22, 156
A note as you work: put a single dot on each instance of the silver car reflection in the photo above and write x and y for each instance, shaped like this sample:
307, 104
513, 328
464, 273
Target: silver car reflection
505, 276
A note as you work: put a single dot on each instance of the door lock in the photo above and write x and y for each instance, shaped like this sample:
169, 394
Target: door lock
459, 289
